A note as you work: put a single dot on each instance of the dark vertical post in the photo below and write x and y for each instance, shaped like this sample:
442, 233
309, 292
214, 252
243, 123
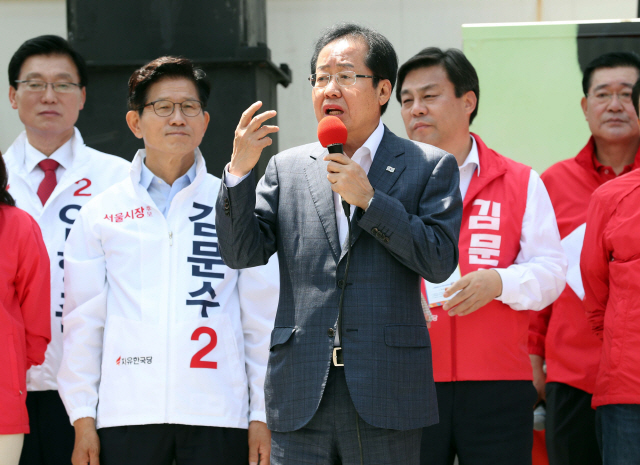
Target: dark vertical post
227, 38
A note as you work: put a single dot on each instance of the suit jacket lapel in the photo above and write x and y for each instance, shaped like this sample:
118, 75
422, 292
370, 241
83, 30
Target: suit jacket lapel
322, 195
387, 166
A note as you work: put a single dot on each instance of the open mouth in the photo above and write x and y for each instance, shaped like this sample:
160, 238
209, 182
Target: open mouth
333, 111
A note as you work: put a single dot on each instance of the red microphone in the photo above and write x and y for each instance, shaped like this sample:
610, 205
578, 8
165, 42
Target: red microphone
332, 133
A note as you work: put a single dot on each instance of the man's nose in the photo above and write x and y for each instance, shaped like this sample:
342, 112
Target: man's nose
333, 89
418, 108
49, 95
177, 118
615, 104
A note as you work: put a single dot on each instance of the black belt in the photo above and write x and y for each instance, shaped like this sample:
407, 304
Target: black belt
337, 360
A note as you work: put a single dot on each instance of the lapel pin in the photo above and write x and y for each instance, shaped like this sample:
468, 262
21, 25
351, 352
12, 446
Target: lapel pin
390, 169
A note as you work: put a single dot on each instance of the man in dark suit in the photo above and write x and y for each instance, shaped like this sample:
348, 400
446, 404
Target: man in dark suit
354, 386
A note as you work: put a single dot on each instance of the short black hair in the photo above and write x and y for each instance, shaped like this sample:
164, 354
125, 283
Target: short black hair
5, 197
635, 96
161, 68
459, 70
381, 58
46, 45
609, 60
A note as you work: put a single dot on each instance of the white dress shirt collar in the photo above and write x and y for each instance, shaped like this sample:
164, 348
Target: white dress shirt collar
471, 165
64, 155
370, 147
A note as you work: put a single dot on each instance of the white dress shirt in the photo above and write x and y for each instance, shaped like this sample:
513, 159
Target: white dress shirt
537, 276
32, 156
363, 157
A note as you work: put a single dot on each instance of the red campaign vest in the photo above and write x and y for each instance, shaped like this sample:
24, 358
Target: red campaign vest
490, 343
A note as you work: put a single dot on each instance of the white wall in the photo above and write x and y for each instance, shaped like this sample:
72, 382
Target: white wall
292, 26
21, 20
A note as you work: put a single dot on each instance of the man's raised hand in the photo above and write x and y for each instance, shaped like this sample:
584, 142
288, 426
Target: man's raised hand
250, 138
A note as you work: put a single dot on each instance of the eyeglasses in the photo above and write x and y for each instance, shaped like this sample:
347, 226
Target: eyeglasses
343, 79
41, 86
165, 107
602, 97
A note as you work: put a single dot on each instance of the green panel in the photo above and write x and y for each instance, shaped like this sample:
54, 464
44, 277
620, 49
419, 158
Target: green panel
530, 91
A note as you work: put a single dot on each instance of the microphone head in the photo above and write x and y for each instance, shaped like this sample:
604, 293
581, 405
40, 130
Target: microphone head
331, 130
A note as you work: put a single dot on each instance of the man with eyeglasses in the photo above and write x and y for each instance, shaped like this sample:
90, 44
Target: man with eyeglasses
52, 174
560, 334
349, 378
511, 261
165, 347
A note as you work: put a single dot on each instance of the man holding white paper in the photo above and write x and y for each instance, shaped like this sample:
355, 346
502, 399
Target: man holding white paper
560, 334
510, 260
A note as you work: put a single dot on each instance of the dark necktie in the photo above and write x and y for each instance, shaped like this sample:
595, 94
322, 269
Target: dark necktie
49, 182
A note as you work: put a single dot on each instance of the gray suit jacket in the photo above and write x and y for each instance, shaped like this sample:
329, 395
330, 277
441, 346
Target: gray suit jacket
410, 230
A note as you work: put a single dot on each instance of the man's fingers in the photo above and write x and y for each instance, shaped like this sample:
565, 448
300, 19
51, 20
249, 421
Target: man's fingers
470, 308
458, 285
257, 121
94, 456
334, 167
265, 453
337, 158
247, 115
461, 307
265, 142
265, 130
253, 453
457, 299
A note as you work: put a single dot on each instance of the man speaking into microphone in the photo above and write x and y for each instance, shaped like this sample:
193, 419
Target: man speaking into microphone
349, 378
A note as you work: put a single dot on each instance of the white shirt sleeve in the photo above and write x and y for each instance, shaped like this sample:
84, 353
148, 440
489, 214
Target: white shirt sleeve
84, 314
259, 290
231, 180
537, 276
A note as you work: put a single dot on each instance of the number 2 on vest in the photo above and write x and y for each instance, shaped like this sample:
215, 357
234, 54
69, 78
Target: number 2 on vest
196, 360
78, 192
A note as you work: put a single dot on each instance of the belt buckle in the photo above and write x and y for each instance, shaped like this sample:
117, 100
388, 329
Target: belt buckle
335, 357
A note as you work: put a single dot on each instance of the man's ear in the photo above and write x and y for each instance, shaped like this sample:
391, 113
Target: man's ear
470, 102
384, 91
12, 97
133, 121
583, 104
83, 97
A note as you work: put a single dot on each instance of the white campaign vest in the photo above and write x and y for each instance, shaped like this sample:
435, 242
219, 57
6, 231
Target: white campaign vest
157, 328
91, 173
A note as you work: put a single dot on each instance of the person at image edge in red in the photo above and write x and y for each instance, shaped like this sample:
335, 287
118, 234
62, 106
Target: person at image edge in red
560, 334
610, 269
24, 317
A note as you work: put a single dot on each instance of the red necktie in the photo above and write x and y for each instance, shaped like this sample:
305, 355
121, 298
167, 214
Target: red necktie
49, 182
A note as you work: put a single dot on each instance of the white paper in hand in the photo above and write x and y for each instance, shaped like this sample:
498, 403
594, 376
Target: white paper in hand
435, 292
572, 245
